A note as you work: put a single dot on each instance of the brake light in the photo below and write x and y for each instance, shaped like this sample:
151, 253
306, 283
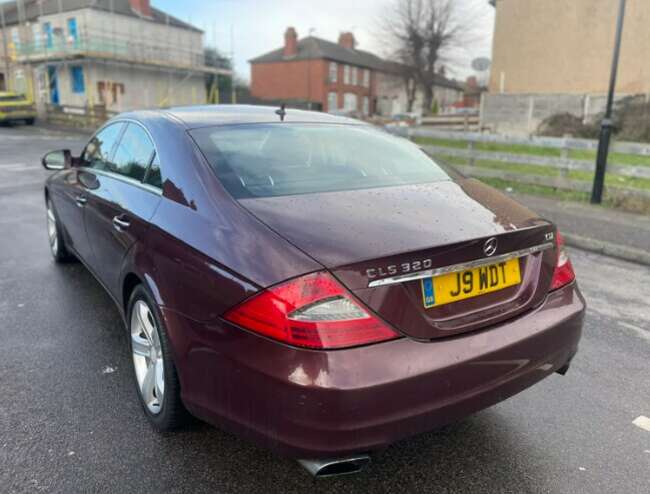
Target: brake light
563, 274
312, 311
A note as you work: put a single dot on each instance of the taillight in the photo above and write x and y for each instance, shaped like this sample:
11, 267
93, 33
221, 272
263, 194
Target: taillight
563, 274
312, 311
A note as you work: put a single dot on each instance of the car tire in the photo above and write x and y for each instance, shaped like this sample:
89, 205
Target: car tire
29, 121
55, 235
155, 376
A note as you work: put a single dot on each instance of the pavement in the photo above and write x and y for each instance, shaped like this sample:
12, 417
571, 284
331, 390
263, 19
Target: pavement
70, 420
596, 228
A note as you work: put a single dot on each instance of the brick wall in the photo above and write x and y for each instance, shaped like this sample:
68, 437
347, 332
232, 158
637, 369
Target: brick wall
523, 113
291, 80
307, 80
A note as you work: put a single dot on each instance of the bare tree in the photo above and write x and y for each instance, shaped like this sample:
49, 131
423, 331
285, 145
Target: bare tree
422, 34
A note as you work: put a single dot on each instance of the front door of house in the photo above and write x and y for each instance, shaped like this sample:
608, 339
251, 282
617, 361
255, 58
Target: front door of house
52, 77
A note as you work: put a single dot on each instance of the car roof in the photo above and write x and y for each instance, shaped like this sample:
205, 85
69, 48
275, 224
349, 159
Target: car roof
192, 117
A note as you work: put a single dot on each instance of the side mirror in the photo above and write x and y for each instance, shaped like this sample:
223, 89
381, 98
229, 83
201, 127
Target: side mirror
57, 160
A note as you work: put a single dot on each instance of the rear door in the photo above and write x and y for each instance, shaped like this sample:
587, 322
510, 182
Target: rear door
123, 198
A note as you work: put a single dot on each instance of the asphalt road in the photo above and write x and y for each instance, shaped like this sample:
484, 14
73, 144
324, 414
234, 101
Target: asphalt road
70, 420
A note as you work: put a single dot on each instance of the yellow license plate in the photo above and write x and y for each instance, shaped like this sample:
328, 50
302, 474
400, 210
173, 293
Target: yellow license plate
452, 287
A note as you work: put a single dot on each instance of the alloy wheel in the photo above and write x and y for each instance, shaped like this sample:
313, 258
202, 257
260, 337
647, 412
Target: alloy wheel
147, 357
52, 230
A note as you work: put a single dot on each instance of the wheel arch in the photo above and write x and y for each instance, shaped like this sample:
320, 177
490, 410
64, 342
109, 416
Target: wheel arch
131, 280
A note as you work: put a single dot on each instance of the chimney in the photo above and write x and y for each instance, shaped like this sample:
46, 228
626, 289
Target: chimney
142, 7
346, 40
290, 42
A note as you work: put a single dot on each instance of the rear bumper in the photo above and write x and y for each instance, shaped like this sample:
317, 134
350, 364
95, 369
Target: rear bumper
312, 404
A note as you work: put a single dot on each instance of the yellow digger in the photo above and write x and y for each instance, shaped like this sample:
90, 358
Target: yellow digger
16, 107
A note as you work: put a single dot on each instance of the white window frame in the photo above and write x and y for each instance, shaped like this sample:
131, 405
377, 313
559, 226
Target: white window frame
366, 105
348, 98
346, 74
366, 78
354, 76
15, 36
332, 101
36, 36
333, 72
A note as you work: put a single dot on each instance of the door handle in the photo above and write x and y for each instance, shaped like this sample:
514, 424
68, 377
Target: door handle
81, 200
121, 223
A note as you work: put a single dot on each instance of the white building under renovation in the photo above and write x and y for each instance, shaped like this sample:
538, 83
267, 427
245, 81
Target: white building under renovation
122, 54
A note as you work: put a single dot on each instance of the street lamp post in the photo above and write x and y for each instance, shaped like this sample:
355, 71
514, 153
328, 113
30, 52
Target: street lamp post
607, 124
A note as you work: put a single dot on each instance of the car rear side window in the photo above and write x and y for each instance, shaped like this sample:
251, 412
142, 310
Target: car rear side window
98, 151
133, 153
264, 160
153, 176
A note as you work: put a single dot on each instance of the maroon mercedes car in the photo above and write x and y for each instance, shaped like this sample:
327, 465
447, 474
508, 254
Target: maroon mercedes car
309, 281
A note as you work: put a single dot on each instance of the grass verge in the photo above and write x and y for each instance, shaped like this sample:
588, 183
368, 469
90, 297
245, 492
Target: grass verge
577, 154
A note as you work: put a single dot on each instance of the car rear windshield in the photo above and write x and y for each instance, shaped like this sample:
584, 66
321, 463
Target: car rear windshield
265, 160
9, 98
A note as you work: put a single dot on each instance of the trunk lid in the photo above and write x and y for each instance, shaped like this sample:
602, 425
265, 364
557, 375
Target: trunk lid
368, 237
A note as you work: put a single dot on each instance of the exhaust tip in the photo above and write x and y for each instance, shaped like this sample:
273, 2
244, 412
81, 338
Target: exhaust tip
336, 467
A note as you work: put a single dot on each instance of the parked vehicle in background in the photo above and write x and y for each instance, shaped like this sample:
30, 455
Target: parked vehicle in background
16, 107
400, 120
470, 112
308, 281
357, 115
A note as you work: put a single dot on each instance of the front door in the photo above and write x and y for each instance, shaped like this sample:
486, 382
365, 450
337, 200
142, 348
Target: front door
68, 195
52, 77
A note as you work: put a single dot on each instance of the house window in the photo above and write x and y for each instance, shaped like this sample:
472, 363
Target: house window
72, 30
350, 102
109, 92
354, 76
20, 83
36, 35
346, 74
366, 78
332, 101
15, 36
47, 34
77, 79
366, 105
333, 72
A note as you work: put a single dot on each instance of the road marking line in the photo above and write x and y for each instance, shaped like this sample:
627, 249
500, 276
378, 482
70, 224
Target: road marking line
642, 422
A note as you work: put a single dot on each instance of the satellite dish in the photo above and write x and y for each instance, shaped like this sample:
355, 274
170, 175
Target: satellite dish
481, 64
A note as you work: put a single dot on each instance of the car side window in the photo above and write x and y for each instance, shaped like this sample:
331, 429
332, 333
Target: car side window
98, 151
133, 154
153, 176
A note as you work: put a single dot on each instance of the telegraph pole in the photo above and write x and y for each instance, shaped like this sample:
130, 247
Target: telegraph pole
232, 65
607, 124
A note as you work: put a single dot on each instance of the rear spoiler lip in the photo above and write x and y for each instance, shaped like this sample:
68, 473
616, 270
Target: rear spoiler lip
461, 266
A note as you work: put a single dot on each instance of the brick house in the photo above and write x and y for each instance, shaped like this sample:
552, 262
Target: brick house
318, 73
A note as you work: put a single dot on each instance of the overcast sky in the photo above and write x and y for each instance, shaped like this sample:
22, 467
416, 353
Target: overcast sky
258, 25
